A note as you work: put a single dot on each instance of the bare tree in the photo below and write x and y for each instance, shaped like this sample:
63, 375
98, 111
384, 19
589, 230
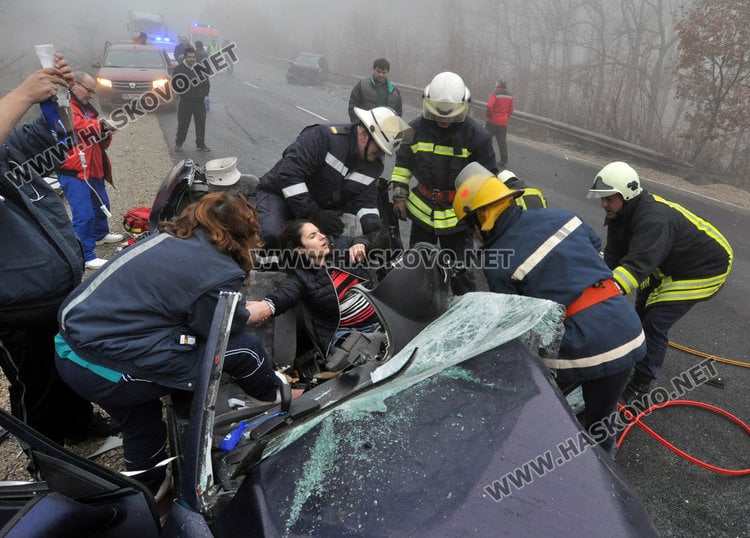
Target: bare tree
714, 70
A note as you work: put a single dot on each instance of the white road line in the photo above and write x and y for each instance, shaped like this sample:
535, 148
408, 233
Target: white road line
311, 113
251, 85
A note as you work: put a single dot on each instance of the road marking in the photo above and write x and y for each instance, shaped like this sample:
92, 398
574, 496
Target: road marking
311, 113
251, 85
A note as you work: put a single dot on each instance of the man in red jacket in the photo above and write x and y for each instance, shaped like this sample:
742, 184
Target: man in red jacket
499, 109
82, 180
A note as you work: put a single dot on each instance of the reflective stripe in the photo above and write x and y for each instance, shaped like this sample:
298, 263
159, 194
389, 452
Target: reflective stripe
360, 178
531, 197
447, 151
367, 211
336, 164
440, 219
703, 225
687, 290
625, 279
106, 271
545, 248
401, 175
294, 190
595, 360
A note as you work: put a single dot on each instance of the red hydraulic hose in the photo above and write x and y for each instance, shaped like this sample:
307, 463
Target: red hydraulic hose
670, 446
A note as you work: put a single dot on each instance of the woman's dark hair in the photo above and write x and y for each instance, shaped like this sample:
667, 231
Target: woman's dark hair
290, 235
229, 222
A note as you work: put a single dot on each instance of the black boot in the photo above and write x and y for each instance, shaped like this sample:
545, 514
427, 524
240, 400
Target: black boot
637, 388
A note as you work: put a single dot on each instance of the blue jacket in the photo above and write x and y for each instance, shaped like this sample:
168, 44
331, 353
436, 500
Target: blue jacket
41, 258
148, 311
323, 169
601, 340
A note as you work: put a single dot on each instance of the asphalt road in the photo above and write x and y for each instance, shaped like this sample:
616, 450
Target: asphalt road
255, 114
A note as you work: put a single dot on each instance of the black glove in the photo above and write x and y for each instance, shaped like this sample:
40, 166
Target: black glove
329, 222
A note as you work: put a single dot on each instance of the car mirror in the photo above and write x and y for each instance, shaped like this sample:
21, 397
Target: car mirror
96, 65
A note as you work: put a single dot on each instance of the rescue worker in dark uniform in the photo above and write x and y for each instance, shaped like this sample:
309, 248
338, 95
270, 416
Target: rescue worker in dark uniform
556, 257
445, 140
532, 197
670, 256
329, 170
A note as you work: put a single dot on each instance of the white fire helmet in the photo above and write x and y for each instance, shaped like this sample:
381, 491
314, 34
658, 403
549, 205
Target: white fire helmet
446, 98
385, 127
616, 177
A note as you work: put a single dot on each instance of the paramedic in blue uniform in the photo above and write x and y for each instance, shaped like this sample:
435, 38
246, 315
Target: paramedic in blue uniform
136, 330
556, 257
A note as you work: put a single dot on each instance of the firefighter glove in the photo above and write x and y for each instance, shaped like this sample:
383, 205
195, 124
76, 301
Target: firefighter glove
399, 202
329, 222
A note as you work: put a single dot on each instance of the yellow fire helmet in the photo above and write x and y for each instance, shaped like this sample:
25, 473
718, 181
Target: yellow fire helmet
477, 187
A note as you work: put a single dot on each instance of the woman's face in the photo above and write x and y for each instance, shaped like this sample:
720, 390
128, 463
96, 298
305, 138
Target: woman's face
314, 243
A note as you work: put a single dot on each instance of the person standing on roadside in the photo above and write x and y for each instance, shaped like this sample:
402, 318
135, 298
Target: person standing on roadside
83, 174
499, 110
192, 101
41, 263
669, 256
374, 91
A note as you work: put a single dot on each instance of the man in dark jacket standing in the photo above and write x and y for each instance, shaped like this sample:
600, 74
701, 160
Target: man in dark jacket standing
376, 90
193, 90
670, 256
41, 263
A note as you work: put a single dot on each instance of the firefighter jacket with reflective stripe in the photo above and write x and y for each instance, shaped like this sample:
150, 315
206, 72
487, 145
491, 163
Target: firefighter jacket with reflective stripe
552, 254
532, 198
322, 169
653, 238
434, 159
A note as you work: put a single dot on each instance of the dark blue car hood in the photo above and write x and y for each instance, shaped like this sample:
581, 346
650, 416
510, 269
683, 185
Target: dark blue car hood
486, 446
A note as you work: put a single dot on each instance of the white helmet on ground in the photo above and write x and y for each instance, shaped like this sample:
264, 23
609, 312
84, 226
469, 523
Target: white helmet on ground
616, 177
446, 98
385, 127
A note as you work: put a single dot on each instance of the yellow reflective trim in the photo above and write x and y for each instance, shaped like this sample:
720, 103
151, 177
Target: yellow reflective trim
447, 151
687, 290
625, 279
437, 218
529, 193
401, 175
703, 225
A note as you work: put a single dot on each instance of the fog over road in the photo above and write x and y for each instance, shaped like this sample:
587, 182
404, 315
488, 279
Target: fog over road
255, 114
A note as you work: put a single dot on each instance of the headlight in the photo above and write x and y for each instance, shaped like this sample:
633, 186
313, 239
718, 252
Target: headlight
104, 82
160, 83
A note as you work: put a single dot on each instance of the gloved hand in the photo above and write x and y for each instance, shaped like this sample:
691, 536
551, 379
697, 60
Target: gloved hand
329, 222
399, 201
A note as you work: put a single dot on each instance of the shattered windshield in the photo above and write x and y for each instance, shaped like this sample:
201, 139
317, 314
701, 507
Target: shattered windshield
386, 414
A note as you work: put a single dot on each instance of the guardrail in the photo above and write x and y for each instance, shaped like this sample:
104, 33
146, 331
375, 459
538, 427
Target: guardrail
660, 160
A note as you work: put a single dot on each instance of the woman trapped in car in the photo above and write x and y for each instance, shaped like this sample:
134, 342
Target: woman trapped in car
137, 329
320, 284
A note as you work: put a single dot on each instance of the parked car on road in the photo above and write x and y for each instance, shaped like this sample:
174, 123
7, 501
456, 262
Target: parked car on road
128, 71
307, 68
